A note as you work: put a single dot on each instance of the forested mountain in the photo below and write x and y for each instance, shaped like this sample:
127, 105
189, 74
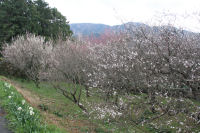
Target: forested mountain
91, 29
86, 29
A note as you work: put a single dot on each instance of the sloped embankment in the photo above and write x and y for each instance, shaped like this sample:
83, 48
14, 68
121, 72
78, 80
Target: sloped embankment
22, 116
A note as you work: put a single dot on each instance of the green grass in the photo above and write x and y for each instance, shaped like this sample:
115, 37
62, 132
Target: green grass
48, 93
22, 119
63, 107
56, 104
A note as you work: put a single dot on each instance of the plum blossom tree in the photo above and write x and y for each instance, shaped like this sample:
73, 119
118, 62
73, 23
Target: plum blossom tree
161, 64
170, 58
31, 55
71, 66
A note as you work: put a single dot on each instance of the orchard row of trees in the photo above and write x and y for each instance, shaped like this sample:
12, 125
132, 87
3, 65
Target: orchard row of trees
18, 17
159, 63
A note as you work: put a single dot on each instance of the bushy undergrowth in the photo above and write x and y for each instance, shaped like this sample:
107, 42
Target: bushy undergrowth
21, 116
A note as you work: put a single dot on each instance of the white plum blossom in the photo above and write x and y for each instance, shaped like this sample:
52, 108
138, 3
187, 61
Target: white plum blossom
179, 130
29, 49
103, 111
31, 108
23, 102
181, 123
7, 85
31, 112
19, 108
9, 97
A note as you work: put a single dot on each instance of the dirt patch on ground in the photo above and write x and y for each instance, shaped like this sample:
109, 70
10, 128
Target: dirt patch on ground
33, 99
28, 96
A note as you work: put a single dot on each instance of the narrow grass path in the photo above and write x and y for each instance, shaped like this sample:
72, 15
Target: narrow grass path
33, 100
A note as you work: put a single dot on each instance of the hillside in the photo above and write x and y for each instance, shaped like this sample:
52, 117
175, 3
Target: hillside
88, 29
144, 81
92, 29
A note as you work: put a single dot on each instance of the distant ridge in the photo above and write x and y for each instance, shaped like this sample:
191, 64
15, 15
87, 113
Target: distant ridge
92, 29
87, 29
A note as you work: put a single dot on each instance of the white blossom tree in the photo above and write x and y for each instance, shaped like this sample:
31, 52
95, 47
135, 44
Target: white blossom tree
31, 55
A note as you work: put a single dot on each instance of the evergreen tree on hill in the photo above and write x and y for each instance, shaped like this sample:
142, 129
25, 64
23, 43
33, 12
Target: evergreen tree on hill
17, 17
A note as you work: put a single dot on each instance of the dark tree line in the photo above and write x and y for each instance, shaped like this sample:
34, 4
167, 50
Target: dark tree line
18, 17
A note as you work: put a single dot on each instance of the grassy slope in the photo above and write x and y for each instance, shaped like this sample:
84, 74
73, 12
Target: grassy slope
22, 121
60, 111
64, 114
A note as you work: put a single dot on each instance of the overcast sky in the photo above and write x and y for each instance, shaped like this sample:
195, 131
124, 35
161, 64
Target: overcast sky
114, 12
